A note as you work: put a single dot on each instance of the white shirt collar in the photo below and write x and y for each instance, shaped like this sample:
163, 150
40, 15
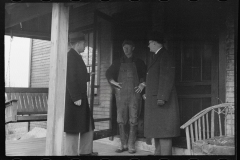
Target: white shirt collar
158, 50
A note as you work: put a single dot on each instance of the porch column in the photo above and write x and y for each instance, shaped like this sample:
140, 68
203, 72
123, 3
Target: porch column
57, 82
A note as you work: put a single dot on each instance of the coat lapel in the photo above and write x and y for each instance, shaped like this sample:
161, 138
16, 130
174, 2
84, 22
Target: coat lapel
155, 58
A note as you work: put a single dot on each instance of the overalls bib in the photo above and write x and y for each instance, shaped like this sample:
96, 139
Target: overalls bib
128, 101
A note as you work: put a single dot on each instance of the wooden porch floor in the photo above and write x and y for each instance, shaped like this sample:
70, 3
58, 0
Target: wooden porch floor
36, 147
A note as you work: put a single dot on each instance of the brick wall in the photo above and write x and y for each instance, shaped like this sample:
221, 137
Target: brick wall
230, 70
105, 93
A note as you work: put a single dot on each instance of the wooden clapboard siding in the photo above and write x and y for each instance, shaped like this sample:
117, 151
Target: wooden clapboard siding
40, 63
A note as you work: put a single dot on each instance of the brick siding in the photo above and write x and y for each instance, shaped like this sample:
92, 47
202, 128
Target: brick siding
230, 71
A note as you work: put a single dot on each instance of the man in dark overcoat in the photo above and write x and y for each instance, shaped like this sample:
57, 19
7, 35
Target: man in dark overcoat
161, 117
127, 76
78, 122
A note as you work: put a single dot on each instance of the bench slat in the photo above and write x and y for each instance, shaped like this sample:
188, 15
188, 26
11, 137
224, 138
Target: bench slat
25, 90
39, 102
19, 102
34, 102
22, 103
207, 126
13, 96
42, 101
45, 101
27, 107
32, 118
29, 100
8, 96
30, 113
35, 107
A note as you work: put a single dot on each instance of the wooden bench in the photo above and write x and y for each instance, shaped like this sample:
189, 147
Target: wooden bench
208, 133
26, 104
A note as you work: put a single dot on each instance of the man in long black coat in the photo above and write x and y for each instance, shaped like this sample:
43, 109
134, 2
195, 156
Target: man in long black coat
78, 118
161, 117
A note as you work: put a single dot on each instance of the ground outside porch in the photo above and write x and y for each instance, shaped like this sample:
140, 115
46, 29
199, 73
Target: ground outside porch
33, 144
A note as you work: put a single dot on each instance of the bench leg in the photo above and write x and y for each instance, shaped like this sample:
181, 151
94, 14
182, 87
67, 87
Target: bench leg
6, 130
28, 126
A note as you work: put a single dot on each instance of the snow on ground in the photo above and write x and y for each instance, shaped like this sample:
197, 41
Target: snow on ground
36, 132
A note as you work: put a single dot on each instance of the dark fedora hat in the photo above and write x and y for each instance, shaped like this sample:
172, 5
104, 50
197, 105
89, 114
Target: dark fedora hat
156, 36
76, 36
129, 42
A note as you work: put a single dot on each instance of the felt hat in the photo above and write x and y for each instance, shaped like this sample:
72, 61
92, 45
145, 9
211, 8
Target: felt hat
156, 36
76, 36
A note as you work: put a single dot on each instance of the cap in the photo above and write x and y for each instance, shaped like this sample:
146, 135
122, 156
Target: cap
76, 36
156, 36
129, 42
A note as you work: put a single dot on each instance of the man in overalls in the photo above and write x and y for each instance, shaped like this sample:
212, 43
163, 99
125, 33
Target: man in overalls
127, 76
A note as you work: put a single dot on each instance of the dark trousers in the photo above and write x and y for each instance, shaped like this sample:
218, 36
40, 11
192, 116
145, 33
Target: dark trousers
163, 146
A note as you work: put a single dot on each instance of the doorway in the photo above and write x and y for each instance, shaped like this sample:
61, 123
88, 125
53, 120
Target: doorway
138, 34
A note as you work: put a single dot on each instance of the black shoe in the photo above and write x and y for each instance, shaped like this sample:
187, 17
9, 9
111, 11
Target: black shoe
120, 150
90, 154
132, 151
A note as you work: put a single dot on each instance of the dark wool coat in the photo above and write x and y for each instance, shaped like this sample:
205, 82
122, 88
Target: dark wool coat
77, 118
113, 71
161, 121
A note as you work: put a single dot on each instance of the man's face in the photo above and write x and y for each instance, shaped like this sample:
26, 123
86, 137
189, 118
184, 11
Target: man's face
128, 50
81, 46
152, 46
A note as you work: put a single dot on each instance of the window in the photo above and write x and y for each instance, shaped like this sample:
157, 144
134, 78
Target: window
87, 57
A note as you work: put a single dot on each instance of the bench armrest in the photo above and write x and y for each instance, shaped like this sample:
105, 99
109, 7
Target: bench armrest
11, 111
10, 102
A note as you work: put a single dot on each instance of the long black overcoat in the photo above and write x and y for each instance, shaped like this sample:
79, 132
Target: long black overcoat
77, 118
161, 121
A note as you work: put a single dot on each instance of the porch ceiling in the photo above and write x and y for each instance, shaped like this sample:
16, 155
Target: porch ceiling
31, 20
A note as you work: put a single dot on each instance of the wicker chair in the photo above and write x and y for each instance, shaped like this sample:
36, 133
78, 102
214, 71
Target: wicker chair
208, 133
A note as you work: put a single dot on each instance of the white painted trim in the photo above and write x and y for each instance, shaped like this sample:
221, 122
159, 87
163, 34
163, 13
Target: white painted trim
30, 63
57, 82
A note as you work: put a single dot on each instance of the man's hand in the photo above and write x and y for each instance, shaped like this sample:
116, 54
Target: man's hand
160, 102
91, 73
140, 87
144, 97
78, 103
115, 83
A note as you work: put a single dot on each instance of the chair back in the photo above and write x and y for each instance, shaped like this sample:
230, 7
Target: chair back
211, 122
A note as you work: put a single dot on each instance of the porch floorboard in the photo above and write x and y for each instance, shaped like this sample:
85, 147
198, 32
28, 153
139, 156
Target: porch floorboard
36, 147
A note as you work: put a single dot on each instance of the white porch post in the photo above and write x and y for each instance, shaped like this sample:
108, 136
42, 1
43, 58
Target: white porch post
57, 82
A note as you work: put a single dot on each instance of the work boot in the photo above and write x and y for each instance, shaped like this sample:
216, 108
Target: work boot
123, 137
132, 139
